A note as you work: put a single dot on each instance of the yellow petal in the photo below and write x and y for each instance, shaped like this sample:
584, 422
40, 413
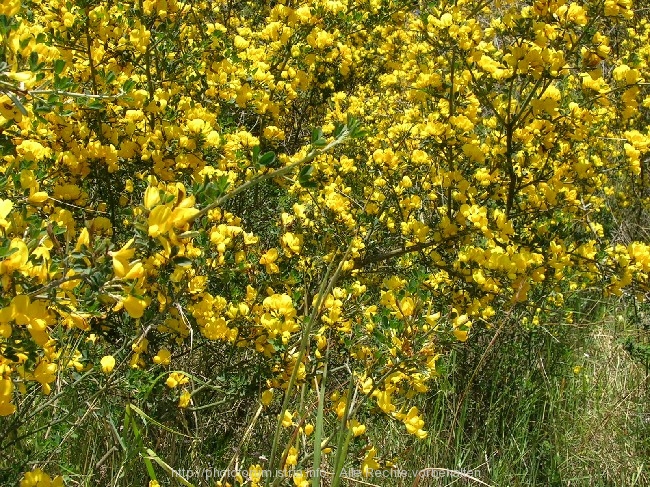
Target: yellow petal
120, 268
267, 397
21, 77
159, 220
135, 272
6, 409
38, 198
151, 197
180, 216
5, 208
108, 363
84, 239
135, 306
18, 258
5, 330
20, 309
461, 335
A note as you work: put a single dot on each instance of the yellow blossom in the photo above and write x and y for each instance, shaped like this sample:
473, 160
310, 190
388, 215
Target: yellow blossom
163, 357
38, 478
184, 400
369, 464
267, 397
287, 419
175, 379
107, 363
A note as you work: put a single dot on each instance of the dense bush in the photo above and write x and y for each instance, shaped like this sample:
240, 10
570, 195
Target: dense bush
299, 207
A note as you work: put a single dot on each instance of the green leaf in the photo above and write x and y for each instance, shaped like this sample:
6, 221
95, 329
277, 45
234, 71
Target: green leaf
6, 145
304, 177
146, 418
42, 108
59, 65
222, 184
306, 171
190, 234
317, 138
128, 85
168, 469
316, 133
256, 154
182, 261
267, 159
33, 61
95, 105
354, 128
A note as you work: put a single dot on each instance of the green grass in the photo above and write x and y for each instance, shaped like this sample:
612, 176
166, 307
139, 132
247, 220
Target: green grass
564, 406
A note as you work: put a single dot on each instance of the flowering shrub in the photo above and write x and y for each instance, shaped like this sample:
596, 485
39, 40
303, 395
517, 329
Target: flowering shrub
334, 191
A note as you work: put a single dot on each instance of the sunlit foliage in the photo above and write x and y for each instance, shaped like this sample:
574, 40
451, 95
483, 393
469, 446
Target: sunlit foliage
341, 190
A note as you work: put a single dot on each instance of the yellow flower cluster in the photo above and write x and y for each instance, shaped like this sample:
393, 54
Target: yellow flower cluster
158, 176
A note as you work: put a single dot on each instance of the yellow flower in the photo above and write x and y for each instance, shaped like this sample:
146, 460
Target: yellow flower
151, 197
185, 399
5, 208
10, 8
16, 260
340, 408
369, 463
45, 373
255, 474
287, 419
163, 357
406, 307
300, 479
108, 363
357, 428
268, 260
37, 198
135, 306
6, 394
67, 192
121, 266
462, 326
8, 109
292, 457
159, 220
32, 150
267, 397
384, 401
461, 335
38, 478
175, 379
414, 423
291, 243
183, 212
83, 240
